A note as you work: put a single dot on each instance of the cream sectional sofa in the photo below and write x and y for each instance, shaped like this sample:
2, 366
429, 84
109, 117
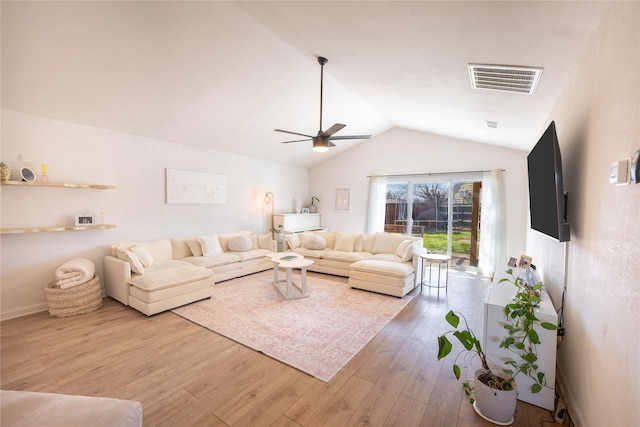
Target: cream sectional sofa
159, 275
381, 262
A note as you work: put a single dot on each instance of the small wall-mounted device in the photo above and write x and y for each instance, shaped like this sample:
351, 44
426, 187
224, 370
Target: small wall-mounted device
634, 171
619, 174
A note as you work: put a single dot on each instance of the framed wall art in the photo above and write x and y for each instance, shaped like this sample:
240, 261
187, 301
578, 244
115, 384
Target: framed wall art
343, 199
190, 187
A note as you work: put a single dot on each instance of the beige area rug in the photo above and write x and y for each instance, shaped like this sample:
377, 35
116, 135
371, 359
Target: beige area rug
317, 335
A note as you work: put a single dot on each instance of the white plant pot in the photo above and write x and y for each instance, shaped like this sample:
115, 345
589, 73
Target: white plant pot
313, 209
496, 406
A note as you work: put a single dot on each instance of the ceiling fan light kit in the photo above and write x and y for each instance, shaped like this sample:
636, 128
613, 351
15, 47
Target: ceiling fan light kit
322, 141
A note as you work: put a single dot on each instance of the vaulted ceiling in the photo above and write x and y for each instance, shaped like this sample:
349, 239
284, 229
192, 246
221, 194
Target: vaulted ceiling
224, 75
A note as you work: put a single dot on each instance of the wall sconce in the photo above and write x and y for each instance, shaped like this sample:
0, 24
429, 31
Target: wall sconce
268, 198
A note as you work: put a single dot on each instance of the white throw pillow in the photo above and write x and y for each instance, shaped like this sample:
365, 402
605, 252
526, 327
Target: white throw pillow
210, 245
345, 242
402, 247
408, 253
239, 244
128, 256
315, 242
293, 240
144, 255
195, 247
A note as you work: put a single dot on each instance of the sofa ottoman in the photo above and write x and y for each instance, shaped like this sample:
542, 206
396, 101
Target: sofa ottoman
385, 277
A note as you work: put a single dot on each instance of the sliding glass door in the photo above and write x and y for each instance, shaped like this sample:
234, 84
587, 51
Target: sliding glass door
444, 211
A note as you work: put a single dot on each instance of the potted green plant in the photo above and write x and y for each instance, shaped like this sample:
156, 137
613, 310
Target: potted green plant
312, 207
494, 392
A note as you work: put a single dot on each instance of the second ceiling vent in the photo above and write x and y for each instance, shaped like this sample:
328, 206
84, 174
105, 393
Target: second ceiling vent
505, 78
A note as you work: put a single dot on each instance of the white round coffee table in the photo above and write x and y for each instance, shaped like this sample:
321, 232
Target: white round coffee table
289, 261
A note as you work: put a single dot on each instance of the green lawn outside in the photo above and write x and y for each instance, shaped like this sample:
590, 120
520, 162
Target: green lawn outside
437, 242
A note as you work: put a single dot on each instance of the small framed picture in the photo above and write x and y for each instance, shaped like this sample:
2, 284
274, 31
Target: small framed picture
85, 220
343, 199
305, 210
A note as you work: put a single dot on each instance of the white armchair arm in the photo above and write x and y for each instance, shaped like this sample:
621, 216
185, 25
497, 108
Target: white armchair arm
117, 274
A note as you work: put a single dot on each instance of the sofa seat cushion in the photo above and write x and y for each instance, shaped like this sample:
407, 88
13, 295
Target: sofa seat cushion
310, 253
213, 260
385, 257
166, 264
252, 254
384, 268
157, 295
170, 277
345, 256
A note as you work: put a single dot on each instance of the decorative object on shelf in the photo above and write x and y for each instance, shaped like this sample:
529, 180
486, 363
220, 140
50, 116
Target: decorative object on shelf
44, 177
312, 207
5, 172
521, 338
85, 220
27, 174
343, 199
298, 206
305, 210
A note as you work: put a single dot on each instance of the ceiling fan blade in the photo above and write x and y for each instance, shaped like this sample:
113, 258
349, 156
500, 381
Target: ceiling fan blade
350, 137
297, 140
293, 133
333, 129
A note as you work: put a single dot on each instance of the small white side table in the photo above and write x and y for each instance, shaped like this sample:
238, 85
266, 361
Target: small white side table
289, 264
438, 259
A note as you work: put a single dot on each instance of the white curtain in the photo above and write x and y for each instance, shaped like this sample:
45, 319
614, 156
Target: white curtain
377, 204
493, 222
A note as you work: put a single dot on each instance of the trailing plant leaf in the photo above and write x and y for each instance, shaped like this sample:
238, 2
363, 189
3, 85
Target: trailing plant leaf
453, 319
549, 326
444, 347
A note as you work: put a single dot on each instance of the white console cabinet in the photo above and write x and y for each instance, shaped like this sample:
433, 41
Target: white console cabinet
494, 320
298, 223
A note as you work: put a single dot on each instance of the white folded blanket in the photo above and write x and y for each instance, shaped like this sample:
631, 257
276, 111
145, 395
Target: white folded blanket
74, 273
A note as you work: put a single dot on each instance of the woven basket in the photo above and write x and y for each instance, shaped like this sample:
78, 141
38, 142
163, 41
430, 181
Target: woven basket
79, 299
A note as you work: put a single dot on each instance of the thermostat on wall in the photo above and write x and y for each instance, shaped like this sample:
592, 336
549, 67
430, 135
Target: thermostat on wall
619, 172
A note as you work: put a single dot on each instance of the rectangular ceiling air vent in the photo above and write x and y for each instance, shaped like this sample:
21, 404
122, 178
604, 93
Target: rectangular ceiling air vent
505, 78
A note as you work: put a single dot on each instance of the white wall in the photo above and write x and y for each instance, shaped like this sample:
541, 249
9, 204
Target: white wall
136, 166
598, 122
402, 151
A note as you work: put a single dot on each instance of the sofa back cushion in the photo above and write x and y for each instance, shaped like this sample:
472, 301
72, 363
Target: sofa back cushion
240, 244
345, 242
387, 243
367, 242
265, 241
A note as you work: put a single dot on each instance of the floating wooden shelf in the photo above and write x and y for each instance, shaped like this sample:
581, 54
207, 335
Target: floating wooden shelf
59, 184
59, 228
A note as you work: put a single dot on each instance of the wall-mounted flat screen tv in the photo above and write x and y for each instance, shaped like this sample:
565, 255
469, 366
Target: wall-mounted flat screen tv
547, 198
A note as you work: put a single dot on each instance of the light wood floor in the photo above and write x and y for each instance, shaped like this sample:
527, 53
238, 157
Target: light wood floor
185, 375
